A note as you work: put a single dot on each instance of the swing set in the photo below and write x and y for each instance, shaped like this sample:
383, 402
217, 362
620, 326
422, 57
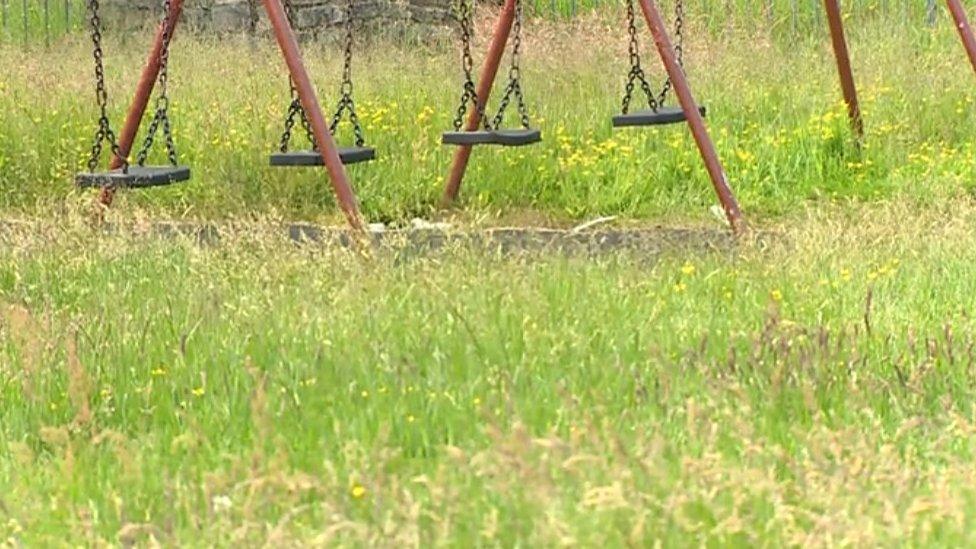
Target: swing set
472, 125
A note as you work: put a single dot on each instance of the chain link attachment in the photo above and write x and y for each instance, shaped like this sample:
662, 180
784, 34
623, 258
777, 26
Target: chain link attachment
514, 87
347, 105
105, 133
346, 102
161, 117
636, 75
469, 94
295, 110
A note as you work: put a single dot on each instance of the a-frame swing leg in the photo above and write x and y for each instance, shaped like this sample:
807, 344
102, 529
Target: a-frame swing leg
503, 28
965, 30
289, 48
836, 22
306, 92
695, 121
140, 101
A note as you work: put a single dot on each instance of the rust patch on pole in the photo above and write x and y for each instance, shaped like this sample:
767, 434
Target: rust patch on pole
306, 92
695, 121
836, 21
150, 72
503, 28
965, 30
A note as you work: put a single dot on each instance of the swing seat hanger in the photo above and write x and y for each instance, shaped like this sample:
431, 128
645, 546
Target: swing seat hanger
491, 133
138, 176
657, 114
347, 107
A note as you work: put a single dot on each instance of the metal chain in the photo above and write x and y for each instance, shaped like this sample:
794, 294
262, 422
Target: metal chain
295, 110
636, 74
346, 102
468, 92
161, 117
105, 132
679, 47
514, 87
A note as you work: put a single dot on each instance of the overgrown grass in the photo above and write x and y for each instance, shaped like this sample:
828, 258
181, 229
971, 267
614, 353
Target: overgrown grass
816, 392
774, 112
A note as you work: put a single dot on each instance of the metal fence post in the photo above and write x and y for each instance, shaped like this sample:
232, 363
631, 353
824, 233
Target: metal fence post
794, 18
930, 12
5, 8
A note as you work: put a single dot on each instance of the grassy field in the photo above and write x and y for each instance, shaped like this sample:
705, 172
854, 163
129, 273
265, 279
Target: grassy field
779, 125
815, 388
815, 391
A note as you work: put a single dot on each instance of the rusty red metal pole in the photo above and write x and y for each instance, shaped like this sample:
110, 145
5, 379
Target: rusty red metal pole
836, 22
147, 82
144, 89
306, 92
965, 30
503, 28
695, 121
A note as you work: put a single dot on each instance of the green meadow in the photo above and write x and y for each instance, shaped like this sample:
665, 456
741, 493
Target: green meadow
812, 385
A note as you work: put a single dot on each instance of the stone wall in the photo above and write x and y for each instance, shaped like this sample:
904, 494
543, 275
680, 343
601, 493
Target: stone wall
311, 16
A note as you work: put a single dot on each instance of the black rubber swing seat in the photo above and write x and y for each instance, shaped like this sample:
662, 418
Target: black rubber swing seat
660, 117
505, 138
136, 177
297, 159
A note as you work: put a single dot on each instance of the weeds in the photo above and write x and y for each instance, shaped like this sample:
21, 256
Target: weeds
255, 392
779, 125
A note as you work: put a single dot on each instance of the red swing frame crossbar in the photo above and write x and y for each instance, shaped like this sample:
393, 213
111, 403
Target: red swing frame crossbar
696, 123
306, 92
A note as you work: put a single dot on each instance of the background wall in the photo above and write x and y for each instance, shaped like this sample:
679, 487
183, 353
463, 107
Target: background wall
310, 15
35, 22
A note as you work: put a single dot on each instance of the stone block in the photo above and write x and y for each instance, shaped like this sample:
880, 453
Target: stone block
230, 16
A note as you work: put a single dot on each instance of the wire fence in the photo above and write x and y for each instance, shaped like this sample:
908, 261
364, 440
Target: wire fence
39, 21
760, 11
33, 22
